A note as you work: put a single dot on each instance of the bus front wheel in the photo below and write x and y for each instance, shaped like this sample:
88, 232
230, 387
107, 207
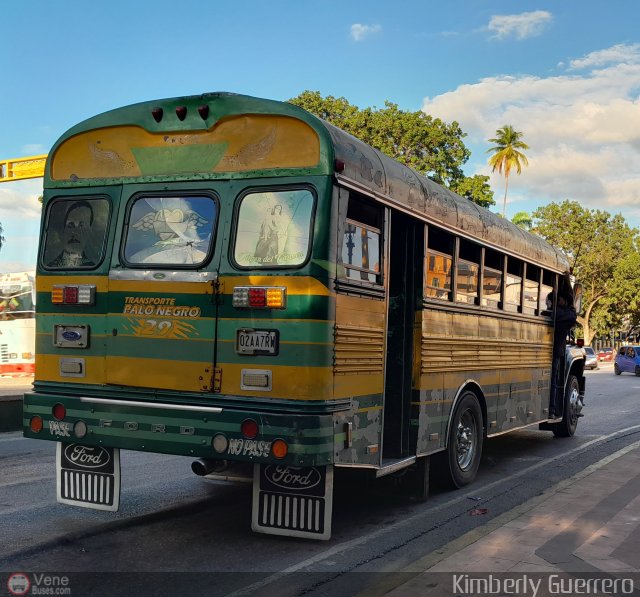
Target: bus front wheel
567, 427
464, 444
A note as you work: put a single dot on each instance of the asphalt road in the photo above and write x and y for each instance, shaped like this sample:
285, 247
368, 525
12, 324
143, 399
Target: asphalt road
175, 530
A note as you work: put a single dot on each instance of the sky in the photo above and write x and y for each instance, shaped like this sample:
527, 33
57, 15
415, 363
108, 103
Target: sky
566, 73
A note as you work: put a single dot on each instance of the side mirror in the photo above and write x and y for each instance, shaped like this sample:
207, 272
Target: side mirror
577, 297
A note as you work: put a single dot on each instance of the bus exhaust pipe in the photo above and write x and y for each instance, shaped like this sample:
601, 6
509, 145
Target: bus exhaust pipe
205, 466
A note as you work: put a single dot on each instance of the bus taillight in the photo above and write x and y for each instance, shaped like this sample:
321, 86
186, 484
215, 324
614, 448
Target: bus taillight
35, 424
59, 411
249, 428
83, 294
279, 448
260, 297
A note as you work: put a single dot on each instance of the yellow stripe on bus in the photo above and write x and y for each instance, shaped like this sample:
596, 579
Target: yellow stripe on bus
296, 285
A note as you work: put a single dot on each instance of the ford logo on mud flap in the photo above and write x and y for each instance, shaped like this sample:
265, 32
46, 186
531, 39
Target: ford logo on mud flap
292, 477
86, 456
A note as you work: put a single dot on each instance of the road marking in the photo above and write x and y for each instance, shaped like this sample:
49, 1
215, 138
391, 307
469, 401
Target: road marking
342, 547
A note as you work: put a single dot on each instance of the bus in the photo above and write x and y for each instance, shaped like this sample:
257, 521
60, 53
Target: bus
232, 279
17, 323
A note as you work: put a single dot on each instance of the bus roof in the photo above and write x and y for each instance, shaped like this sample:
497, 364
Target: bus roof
223, 135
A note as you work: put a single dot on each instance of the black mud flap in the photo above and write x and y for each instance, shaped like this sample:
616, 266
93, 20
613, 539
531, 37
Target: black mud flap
292, 501
88, 476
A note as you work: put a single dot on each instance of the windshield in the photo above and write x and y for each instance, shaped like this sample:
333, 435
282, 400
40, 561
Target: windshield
76, 231
170, 231
589, 350
274, 228
16, 301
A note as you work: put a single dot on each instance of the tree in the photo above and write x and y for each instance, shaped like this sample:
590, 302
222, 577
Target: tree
475, 188
426, 144
523, 220
507, 154
1, 237
594, 241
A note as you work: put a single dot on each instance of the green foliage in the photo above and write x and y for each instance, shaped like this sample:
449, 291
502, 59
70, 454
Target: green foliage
523, 220
597, 245
475, 188
507, 154
426, 144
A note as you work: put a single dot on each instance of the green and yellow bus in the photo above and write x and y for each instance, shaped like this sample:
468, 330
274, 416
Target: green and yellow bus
233, 279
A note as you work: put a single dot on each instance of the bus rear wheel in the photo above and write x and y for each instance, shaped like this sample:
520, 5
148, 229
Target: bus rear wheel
567, 427
464, 443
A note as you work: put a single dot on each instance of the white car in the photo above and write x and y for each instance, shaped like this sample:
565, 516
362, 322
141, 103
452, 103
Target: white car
591, 360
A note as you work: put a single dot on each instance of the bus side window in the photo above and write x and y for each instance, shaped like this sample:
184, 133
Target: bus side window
438, 262
468, 270
361, 249
532, 276
492, 279
546, 294
513, 288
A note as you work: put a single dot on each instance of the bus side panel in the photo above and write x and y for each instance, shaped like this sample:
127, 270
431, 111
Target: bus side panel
508, 359
359, 375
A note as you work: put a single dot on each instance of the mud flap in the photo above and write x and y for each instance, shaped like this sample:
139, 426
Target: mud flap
88, 476
292, 501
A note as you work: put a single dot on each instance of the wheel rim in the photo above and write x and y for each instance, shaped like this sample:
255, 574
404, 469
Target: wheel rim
466, 440
572, 415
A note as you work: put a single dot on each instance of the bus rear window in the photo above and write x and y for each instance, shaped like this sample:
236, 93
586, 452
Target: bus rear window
273, 228
170, 231
75, 233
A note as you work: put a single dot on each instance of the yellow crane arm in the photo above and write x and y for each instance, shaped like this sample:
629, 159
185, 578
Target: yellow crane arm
21, 168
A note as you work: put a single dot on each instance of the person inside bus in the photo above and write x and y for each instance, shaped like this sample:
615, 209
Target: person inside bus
565, 319
77, 227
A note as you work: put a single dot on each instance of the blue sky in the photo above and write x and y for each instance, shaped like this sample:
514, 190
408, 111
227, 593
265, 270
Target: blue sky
566, 73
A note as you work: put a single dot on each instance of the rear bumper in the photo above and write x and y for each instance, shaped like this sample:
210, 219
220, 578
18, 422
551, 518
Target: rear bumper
183, 429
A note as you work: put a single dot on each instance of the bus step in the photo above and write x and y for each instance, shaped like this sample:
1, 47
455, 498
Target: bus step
392, 465
293, 501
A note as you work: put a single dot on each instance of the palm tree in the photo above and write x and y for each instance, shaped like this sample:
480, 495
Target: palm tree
522, 220
507, 154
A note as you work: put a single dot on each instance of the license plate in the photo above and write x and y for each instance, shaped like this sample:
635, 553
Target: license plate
257, 342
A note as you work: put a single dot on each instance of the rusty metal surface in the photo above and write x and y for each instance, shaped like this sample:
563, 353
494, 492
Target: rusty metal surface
370, 169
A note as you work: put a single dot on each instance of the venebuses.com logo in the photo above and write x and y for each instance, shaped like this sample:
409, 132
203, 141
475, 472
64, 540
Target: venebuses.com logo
20, 584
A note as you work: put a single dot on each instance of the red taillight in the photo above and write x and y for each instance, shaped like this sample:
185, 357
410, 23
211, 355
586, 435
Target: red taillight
249, 428
71, 295
157, 114
257, 297
181, 112
35, 424
59, 411
279, 448
203, 111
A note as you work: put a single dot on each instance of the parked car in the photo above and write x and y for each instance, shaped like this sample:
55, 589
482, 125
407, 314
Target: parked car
628, 359
590, 358
605, 354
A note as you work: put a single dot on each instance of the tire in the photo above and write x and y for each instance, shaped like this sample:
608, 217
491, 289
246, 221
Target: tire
461, 460
616, 369
567, 427
637, 371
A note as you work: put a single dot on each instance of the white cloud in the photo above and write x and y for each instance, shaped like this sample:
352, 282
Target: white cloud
583, 130
359, 32
20, 214
521, 26
615, 54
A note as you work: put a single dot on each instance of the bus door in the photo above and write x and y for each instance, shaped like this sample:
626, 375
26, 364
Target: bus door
405, 281
161, 328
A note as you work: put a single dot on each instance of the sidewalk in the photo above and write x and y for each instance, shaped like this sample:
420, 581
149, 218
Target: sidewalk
586, 527
11, 391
